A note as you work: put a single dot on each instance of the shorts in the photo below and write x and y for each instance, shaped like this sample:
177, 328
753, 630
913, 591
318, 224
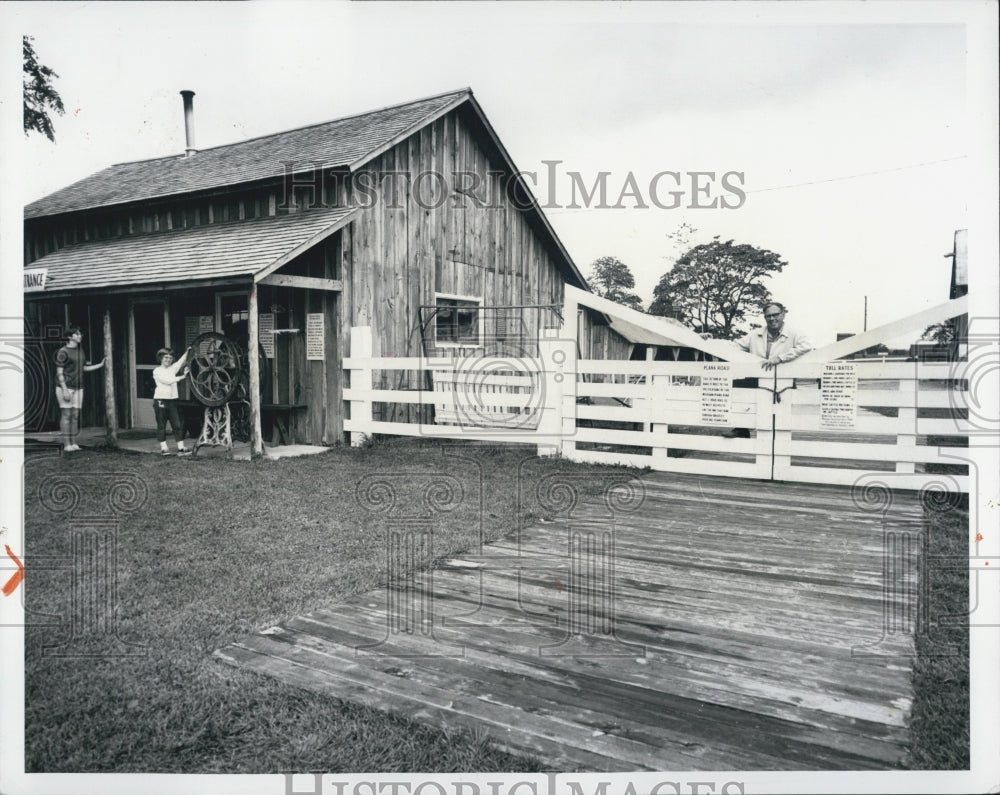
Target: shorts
69, 398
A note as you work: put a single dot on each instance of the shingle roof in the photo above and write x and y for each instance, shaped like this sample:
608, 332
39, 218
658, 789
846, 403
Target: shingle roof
207, 252
342, 142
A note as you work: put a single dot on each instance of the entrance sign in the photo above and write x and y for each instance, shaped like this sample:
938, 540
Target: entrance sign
265, 333
34, 279
315, 342
716, 395
838, 405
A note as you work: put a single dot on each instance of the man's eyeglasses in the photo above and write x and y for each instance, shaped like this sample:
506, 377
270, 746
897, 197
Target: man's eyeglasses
773, 314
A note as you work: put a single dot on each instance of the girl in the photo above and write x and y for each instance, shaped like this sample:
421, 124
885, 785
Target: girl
165, 398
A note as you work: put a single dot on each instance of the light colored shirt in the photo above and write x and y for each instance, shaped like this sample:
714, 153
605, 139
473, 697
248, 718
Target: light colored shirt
789, 345
166, 379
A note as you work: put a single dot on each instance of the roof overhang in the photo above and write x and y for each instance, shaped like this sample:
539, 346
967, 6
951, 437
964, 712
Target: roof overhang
202, 256
638, 327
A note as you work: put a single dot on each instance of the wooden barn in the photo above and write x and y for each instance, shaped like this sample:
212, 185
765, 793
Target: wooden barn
411, 219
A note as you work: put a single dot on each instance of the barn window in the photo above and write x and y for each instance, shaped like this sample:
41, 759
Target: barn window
456, 320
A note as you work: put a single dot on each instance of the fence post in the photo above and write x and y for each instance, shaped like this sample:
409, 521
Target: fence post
361, 383
658, 431
558, 384
907, 419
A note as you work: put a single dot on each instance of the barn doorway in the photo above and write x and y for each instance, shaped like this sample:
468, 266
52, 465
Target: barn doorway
149, 330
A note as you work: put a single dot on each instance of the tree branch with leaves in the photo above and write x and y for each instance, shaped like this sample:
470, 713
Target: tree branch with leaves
40, 97
713, 286
612, 279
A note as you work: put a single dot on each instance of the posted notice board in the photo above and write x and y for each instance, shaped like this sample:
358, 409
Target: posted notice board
716, 395
315, 340
265, 333
838, 404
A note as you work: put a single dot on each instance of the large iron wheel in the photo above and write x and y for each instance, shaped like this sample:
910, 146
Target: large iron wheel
215, 368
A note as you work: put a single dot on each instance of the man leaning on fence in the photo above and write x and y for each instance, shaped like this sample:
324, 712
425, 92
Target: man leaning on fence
776, 344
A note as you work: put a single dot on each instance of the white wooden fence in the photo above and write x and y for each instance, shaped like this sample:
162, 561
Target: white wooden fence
906, 418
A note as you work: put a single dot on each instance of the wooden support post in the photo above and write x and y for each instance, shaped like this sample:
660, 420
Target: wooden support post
253, 355
906, 425
659, 427
650, 356
361, 383
110, 413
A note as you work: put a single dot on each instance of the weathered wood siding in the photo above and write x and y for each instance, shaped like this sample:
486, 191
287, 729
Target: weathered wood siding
597, 340
458, 234
463, 236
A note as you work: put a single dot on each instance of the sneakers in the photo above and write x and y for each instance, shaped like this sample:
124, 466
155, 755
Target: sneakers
185, 451
71, 448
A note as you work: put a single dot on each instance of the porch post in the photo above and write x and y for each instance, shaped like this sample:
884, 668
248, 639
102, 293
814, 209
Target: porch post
253, 356
110, 412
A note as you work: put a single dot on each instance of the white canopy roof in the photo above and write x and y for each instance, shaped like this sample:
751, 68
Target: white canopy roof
639, 327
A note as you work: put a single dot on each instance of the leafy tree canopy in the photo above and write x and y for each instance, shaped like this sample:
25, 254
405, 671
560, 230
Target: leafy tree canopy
40, 96
611, 278
713, 286
940, 333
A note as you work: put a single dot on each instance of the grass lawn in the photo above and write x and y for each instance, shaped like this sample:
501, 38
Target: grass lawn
222, 549
940, 719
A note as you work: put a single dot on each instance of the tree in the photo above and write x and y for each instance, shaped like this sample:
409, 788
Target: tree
40, 96
940, 333
611, 278
713, 286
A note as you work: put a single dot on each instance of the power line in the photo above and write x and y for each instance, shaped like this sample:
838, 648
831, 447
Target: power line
858, 176
561, 210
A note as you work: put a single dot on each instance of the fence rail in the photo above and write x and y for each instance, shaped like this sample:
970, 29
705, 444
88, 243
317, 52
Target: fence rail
905, 419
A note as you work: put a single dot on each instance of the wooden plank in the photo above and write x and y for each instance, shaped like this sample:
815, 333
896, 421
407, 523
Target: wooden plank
925, 398
664, 368
110, 410
738, 639
558, 700
445, 716
874, 452
848, 477
253, 357
303, 282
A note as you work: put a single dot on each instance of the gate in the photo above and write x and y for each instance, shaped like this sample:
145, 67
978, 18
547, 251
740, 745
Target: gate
819, 419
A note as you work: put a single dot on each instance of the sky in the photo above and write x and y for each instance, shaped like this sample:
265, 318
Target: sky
852, 131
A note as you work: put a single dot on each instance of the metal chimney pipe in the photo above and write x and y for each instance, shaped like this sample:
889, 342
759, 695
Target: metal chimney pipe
189, 122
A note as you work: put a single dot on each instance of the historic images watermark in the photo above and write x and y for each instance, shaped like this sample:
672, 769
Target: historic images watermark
316, 184
25, 357
540, 784
505, 390
573, 616
90, 507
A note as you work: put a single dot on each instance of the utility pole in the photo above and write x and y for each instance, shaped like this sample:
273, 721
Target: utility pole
866, 314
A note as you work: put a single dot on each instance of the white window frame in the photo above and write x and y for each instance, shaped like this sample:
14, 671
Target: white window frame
480, 324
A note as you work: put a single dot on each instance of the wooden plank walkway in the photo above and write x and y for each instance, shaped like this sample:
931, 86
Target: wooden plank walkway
722, 625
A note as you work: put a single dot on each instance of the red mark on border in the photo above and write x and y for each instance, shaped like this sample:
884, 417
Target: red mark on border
979, 536
14, 581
